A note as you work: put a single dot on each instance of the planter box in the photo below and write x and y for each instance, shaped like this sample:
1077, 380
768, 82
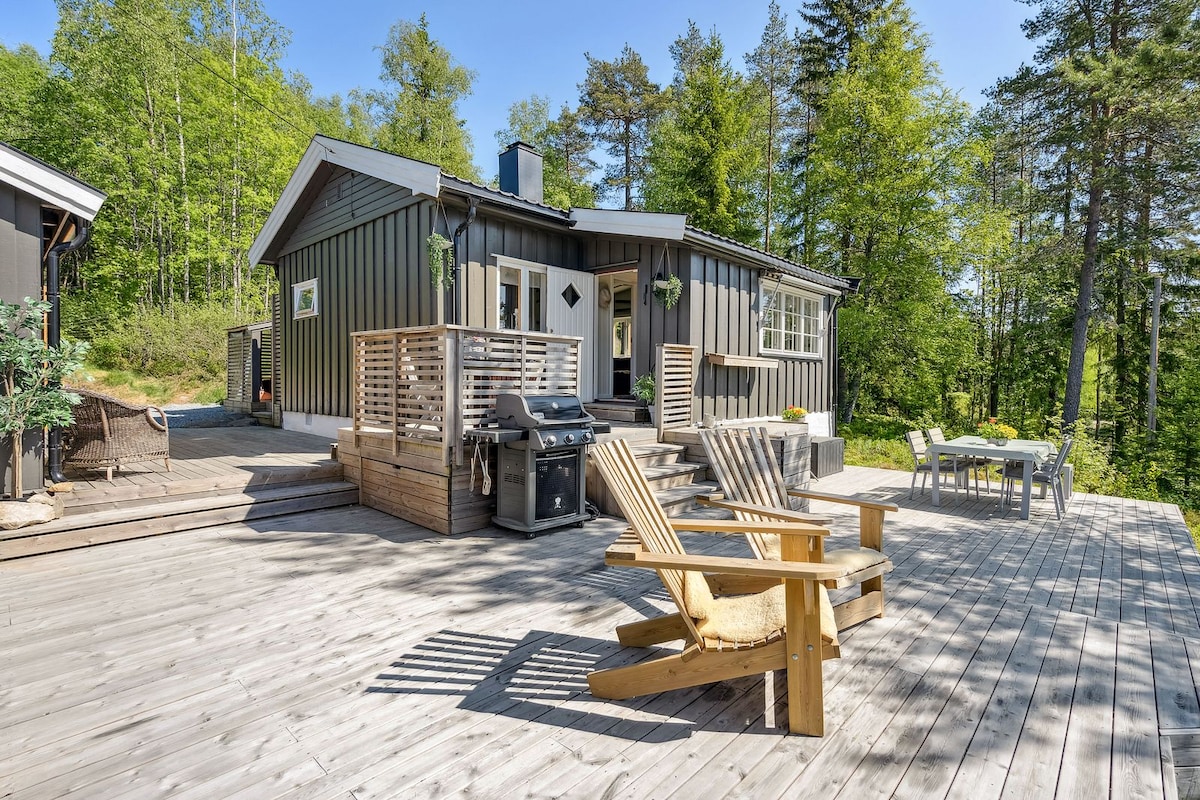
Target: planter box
32, 475
792, 451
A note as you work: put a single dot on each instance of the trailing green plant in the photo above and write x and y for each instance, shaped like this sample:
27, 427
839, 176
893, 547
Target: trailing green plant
667, 296
643, 387
32, 372
441, 260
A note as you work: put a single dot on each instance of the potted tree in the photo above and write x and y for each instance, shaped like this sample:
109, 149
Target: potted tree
31, 375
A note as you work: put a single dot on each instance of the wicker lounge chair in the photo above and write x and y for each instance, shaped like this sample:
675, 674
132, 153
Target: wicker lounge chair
109, 434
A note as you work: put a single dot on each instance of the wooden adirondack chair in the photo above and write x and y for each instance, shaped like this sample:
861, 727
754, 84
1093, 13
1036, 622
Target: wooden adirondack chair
754, 490
788, 626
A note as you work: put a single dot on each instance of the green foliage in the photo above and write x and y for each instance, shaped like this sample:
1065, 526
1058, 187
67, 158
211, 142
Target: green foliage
643, 387
702, 155
418, 115
619, 102
183, 341
890, 179
440, 252
31, 376
565, 146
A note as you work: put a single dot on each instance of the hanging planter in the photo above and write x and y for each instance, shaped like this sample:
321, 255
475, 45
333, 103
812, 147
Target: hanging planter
667, 291
441, 260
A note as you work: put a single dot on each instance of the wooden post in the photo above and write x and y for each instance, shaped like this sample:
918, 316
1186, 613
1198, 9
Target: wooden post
806, 701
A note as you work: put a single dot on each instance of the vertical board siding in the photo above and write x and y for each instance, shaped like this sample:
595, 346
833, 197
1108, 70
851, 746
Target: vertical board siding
725, 320
375, 276
20, 245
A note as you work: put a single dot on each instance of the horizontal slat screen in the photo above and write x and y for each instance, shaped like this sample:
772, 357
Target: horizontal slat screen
430, 384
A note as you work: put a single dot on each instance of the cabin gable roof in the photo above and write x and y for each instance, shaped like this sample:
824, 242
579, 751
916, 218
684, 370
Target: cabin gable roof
49, 184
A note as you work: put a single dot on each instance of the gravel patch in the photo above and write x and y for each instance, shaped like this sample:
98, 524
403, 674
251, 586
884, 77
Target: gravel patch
209, 415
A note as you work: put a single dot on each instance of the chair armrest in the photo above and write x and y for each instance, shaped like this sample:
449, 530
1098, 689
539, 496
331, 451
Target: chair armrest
737, 526
158, 426
849, 501
766, 511
723, 565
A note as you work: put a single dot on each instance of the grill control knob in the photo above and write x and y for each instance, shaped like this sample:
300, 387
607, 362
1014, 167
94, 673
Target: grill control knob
586, 436
569, 438
550, 440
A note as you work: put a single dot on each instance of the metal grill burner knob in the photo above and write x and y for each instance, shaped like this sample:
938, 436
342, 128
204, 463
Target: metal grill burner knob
551, 440
569, 439
586, 437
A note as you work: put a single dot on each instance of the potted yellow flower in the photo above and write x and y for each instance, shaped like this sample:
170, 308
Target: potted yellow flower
794, 414
996, 432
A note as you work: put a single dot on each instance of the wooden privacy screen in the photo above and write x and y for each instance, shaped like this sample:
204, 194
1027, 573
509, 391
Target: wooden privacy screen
429, 384
675, 382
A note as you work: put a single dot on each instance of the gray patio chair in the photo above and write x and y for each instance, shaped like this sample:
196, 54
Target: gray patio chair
924, 465
1047, 475
974, 463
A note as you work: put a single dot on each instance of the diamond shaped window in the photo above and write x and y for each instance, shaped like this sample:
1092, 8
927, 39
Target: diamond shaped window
571, 295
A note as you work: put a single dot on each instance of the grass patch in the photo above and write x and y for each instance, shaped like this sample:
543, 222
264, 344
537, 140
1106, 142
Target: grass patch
137, 389
879, 453
1192, 518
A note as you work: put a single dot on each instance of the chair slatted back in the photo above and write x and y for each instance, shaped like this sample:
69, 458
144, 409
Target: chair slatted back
936, 436
1061, 458
916, 443
644, 514
743, 460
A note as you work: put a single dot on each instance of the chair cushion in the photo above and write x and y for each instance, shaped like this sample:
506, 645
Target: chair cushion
746, 618
855, 558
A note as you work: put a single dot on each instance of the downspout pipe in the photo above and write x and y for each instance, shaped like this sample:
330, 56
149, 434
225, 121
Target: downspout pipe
472, 208
53, 339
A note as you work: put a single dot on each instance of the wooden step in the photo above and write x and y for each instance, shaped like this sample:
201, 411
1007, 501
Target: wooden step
618, 411
680, 473
680, 500
173, 515
653, 455
88, 500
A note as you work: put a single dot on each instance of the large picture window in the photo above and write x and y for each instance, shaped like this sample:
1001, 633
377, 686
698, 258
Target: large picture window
791, 323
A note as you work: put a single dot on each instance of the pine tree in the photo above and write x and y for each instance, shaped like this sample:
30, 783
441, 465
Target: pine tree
618, 102
773, 68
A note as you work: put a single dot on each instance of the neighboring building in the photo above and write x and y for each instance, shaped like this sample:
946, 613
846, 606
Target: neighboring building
348, 240
40, 208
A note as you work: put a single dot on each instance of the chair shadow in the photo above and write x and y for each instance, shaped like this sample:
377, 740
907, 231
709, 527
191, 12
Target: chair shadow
542, 678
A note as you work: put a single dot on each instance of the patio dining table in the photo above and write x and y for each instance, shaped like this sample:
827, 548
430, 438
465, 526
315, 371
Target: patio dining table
1028, 451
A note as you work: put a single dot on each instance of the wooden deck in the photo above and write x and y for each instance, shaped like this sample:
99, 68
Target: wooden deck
198, 453
346, 654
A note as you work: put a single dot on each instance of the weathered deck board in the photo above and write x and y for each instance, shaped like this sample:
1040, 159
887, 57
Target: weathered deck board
345, 653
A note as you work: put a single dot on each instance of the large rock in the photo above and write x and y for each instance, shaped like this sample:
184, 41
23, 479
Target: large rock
16, 514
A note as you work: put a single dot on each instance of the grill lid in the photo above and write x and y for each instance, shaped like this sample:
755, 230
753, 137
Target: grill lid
515, 410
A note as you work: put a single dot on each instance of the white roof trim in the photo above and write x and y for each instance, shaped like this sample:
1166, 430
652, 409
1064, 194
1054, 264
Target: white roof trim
421, 178
646, 224
48, 184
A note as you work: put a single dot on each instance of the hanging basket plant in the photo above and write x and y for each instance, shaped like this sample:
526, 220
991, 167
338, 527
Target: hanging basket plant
441, 260
667, 292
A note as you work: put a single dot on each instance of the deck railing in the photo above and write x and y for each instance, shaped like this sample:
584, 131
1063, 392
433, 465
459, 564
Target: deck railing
675, 377
428, 385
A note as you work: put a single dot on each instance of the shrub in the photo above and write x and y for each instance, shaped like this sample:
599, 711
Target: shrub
186, 341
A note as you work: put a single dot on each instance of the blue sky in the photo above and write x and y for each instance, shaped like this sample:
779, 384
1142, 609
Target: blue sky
536, 47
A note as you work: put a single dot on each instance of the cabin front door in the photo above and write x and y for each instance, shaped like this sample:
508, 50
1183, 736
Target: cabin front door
614, 334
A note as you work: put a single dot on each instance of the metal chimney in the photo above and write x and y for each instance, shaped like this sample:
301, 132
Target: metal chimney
521, 172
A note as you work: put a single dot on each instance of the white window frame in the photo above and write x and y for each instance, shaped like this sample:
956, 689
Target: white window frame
804, 307
299, 290
525, 268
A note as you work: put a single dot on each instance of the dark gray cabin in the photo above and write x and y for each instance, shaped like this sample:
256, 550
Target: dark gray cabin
41, 207
348, 240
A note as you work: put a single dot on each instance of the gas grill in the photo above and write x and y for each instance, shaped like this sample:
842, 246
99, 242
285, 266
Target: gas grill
541, 474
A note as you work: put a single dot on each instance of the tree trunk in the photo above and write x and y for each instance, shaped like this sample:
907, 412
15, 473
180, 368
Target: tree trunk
18, 489
1087, 282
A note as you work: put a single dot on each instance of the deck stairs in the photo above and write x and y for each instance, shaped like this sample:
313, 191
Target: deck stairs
673, 471
99, 516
